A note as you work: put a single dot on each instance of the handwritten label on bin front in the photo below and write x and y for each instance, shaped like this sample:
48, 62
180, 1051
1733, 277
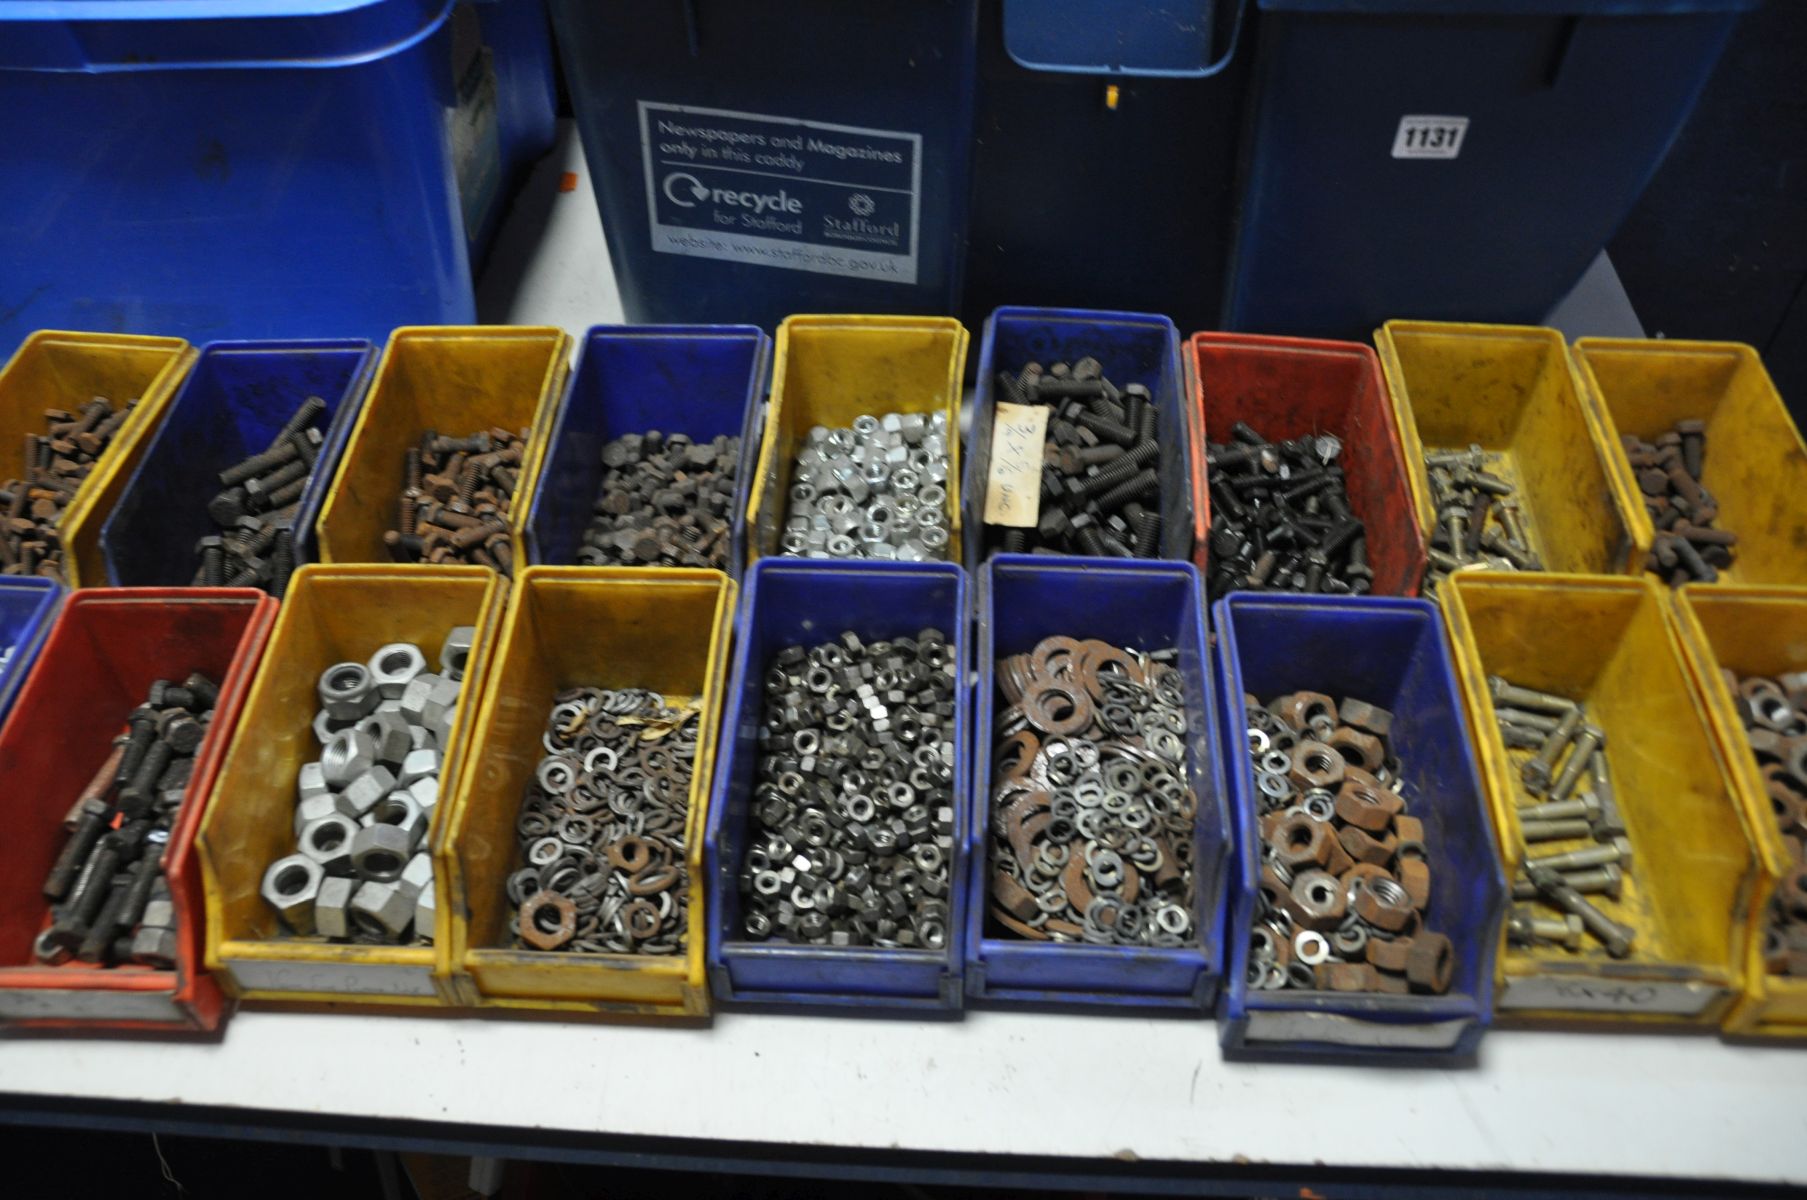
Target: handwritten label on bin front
1675, 998
1013, 490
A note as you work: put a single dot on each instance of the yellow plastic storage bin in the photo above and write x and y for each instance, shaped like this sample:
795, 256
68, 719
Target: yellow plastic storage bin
331, 614
1614, 645
1511, 390
54, 368
613, 627
1750, 631
830, 369
1756, 466
458, 380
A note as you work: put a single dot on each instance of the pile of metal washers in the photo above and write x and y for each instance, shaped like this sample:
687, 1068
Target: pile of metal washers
852, 837
602, 827
1345, 882
876, 490
1093, 821
1774, 712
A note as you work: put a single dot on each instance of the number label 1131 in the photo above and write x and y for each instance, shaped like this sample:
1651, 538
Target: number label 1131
1430, 137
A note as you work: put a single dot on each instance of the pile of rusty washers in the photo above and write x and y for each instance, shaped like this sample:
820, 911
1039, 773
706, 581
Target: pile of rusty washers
255, 509
455, 500
1687, 548
602, 827
1345, 886
1774, 712
1100, 474
1571, 799
1093, 820
110, 901
1479, 521
55, 464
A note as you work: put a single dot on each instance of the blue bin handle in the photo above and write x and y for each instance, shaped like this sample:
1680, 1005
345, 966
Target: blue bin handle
1157, 38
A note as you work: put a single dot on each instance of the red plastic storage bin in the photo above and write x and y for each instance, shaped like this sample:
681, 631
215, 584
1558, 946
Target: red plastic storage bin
102, 655
1287, 387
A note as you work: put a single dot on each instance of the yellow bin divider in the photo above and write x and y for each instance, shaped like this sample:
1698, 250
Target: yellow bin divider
1750, 631
458, 380
827, 370
1756, 465
1614, 644
613, 627
331, 614
1511, 390
55, 368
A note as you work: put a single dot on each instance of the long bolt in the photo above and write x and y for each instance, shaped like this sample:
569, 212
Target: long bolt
1528, 930
1536, 772
1554, 831
1565, 810
1615, 937
306, 415
88, 831
1619, 851
1587, 744
1521, 697
1606, 881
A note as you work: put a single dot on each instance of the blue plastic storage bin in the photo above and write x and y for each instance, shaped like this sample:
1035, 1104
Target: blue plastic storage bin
1392, 653
1143, 605
1133, 348
28, 607
237, 398
700, 380
798, 602
1452, 159
259, 168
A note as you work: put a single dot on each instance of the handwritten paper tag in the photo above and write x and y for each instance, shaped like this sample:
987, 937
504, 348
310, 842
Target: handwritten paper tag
1013, 491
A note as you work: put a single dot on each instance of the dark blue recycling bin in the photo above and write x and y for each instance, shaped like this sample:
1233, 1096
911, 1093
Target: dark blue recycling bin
700, 380
790, 602
239, 395
28, 605
1142, 606
1392, 653
1452, 159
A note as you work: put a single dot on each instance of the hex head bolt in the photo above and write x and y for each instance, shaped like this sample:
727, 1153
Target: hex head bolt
1587, 743
1554, 831
278, 455
1615, 937
1536, 771
98, 940
1527, 929
88, 830
1609, 823
1612, 854
1606, 881
1528, 698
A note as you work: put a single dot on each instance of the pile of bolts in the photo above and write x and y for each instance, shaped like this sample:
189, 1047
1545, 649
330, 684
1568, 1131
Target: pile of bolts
1479, 522
55, 464
456, 494
1687, 547
1280, 517
255, 510
665, 500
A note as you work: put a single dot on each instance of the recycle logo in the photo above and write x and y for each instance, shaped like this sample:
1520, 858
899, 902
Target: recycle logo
861, 204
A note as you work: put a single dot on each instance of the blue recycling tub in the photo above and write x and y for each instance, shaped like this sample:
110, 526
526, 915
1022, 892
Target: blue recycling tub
1393, 653
807, 602
1133, 348
260, 168
1452, 159
700, 380
1143, 605
28, 607
239, 395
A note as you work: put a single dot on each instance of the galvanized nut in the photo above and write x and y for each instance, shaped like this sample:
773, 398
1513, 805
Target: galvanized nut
290, 886
346, 691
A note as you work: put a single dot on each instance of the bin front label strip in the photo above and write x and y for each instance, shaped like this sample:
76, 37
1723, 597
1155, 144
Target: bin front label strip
1569, 993
1013, 487
372, 979
772, 191
1430, 137
1340, 1030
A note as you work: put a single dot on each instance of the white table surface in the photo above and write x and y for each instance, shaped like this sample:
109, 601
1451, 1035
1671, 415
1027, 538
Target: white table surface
1046, 1085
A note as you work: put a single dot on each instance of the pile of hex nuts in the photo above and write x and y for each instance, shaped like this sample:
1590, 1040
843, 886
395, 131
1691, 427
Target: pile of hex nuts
664, 501
1687, 547
852, 837
1280, 517
1341, 903
455, 500
602, 827
1479, 520
1092, 818
255, 511
111, 900
360, 870
56, 462
1100, 476
1570, 799
877, 490
1774, 712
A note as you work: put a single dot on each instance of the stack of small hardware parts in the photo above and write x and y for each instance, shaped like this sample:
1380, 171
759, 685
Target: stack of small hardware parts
1687, 547
456, 495
1479, 523
875, 490
1280, 517
55, 465
852, 837
1092, 819
1774, 712
1571, 799
664, 501
602, 827
255, 511
1345, 882
111, 897
1100, 473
